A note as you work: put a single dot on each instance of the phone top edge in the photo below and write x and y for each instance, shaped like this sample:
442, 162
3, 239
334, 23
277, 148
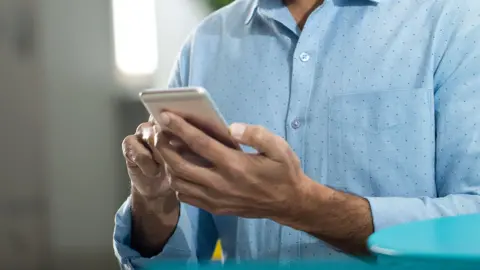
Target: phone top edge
199, 90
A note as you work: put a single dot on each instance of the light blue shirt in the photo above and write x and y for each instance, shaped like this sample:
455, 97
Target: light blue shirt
377, 98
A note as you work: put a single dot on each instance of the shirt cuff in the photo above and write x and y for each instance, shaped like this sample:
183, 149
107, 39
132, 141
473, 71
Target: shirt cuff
390, 211
179, 247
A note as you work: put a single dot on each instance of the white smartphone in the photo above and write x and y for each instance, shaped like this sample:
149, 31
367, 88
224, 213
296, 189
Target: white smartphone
194, 105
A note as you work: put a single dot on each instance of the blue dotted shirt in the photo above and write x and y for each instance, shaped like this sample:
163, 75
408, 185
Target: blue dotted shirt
377, 98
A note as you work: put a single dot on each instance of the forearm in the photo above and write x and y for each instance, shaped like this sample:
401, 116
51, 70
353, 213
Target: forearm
346, 221
339, 219
153, 222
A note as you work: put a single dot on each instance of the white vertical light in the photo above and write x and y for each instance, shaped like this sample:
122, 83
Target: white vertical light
135, 37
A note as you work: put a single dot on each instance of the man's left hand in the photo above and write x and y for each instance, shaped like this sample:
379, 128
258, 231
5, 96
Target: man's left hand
267, 184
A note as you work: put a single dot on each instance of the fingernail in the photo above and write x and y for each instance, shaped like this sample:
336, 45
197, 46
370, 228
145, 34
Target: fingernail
237, 130
165, 119
156, 129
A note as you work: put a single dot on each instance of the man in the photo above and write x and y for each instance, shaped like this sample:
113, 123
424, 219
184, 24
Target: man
365, 114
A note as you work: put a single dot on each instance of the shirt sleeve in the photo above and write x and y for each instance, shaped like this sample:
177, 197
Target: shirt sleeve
186, 245
179, 247
457, 116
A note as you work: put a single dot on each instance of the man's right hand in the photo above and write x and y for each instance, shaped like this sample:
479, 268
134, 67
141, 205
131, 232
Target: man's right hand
144, 163
147, 170
155, 208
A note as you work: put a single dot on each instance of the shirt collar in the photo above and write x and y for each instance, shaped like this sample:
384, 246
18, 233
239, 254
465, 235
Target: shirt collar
252, 9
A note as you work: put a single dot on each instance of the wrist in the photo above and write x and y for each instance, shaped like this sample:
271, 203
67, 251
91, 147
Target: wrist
306, 207
153, 222
166, 207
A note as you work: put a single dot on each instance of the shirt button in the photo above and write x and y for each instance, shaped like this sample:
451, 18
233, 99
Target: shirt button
296, 123
304, 57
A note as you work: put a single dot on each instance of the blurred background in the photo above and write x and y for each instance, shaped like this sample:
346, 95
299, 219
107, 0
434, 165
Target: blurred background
70, 72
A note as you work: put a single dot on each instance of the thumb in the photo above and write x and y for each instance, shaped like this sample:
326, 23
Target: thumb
261, 139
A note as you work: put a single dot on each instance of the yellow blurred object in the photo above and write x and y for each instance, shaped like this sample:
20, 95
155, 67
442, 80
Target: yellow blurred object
217, 254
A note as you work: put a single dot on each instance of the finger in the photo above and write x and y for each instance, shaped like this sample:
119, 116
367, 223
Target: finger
152, 120
182, 168
174, 141
177, 143
198, 141
143, 126
167, 136
262, 140
194, 158
145, 133
138, 156
193, 201
148, 134
186, 187
182, 149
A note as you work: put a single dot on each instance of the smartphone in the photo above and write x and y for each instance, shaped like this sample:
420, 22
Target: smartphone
194, 105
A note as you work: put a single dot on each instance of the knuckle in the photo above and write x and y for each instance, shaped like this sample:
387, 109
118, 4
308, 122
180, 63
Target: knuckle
285, 150
296, 161
200, 142
127, 141
258, 134
139, 158
127, 145
174, 170
282, 146
260, 129
203, 141
238, 168
143, 126
179, 169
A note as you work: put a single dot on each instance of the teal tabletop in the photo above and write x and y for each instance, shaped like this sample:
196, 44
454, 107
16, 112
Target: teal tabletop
447, 239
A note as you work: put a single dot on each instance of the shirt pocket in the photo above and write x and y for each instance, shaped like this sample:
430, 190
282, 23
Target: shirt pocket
378, 137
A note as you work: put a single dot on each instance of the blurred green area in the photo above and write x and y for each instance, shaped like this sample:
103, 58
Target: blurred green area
216, 4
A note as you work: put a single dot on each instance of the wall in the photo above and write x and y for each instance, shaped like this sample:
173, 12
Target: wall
23, 208
183, 20
82, 174
85, 119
